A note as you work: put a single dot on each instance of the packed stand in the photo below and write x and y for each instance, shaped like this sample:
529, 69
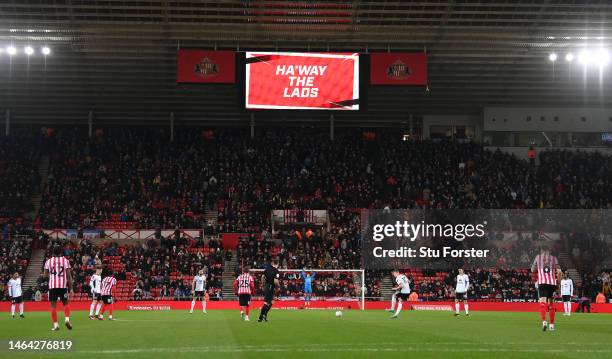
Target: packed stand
152, 270
125, 178
14, 257
138, 178
310, 250
19, 179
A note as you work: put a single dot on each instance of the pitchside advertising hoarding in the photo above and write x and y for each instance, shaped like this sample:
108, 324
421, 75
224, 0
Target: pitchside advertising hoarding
289, 80
471, 239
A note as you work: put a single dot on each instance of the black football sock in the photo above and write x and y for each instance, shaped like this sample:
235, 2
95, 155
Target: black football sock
263, 311
266, 309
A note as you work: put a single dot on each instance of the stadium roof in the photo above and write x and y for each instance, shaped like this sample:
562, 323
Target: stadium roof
117, 58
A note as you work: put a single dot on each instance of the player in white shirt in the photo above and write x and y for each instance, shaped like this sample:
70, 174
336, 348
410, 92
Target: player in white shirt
403, 286
198, 290
14, 289
567, 291
461, 292
95, 282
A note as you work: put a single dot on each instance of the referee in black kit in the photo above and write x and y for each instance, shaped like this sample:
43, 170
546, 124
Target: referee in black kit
271, 275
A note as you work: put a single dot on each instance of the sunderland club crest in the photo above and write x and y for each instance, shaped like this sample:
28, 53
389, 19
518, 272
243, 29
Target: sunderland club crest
206, 68
399, 70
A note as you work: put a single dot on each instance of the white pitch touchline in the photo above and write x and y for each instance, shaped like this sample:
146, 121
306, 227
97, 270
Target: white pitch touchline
340, 350
397, 343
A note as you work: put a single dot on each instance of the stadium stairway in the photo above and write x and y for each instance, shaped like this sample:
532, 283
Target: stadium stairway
43, 171
211, 216
567, 264
385, 288
34, 268
227, 292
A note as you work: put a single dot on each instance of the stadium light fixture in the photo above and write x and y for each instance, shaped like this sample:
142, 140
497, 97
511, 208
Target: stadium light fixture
11, 50
584, 57
552, 57
28, 50
46, 51
569, 57
601, 57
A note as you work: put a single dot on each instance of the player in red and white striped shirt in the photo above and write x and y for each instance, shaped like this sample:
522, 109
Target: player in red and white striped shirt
108, 291
57, 269
244, 286
547, 268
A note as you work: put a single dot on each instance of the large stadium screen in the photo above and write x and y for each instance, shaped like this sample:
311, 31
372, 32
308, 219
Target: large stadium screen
292, 80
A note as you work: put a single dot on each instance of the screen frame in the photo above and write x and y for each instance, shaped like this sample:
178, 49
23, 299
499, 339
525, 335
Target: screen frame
339, 55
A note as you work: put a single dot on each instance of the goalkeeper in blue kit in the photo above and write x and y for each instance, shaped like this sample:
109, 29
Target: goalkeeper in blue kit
308, 278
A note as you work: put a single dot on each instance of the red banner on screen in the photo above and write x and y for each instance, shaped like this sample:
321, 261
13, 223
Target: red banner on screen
201, 66
398, 68
286, 80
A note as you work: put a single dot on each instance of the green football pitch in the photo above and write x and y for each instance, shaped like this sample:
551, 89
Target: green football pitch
317, 334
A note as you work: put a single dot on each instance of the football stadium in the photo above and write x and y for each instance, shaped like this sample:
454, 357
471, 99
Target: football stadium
308, 179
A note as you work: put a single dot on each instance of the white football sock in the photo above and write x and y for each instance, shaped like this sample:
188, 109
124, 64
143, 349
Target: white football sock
21, 308
399, 307
192, 304
393, 301
13, 310
466, 308
203, 305
98, 307
457, 307
92, 307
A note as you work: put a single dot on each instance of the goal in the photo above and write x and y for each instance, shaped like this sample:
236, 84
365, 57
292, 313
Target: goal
327, 285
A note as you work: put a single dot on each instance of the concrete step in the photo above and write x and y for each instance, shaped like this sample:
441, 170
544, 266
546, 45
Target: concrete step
37, 260
212, 215
227, 291
35, 200
566, 263
385, 288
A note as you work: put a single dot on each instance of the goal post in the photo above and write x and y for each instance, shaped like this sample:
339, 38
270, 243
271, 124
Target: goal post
327, 285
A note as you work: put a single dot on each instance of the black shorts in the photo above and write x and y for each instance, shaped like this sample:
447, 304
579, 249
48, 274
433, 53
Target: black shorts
244, 300
96, 296
107, 299
567, 298
461, 296
16, 300
269, 294
60, 294
199, 294
546, 290
403, 296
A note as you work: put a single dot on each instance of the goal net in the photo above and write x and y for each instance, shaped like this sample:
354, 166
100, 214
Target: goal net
346, 285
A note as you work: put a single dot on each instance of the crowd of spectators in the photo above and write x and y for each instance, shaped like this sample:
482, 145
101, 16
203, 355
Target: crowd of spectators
309, 250
485, 284
153, 269
141, 179
134, 176
19, 180
14, 257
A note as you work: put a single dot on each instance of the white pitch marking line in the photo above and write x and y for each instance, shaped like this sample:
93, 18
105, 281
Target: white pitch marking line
241, 349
